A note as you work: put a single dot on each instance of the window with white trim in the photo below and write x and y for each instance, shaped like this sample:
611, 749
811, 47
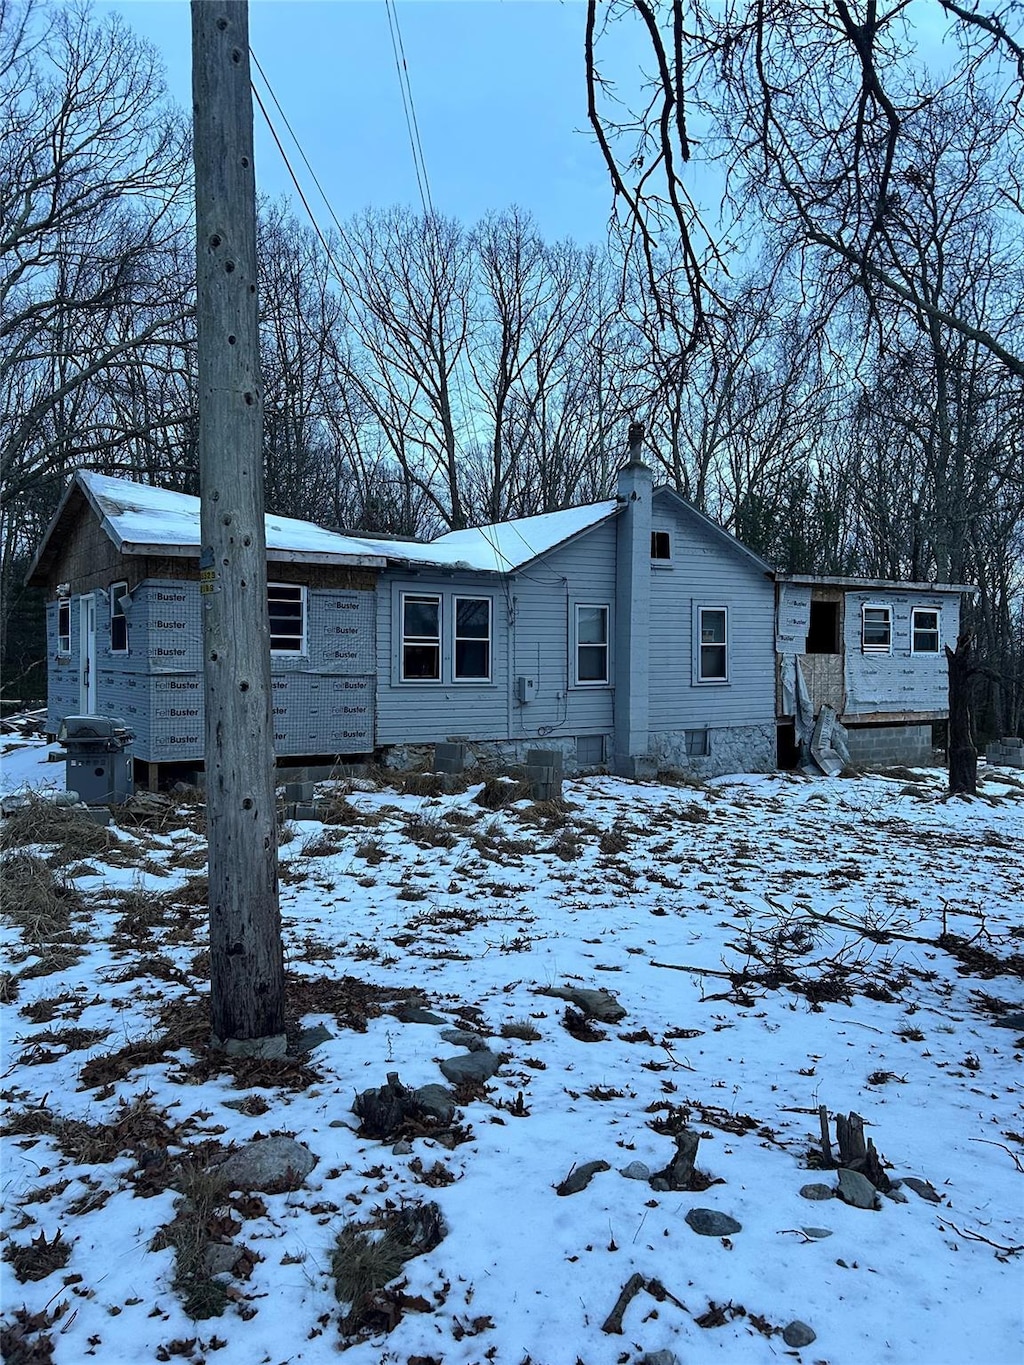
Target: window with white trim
421, 637
876, 629
924, 630
64, 626
591, 644
471, 655
118, 620
713, 644
286, 605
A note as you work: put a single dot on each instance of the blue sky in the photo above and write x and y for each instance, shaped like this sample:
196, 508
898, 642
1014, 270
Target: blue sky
499, 91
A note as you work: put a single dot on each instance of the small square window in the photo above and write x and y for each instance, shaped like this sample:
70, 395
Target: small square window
421, 637
591, 645
118, 619
876, 630
924, 631
286, 604
697, 743
64, 626
714, 644
661, 545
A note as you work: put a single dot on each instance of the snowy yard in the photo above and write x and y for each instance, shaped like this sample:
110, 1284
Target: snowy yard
775, 944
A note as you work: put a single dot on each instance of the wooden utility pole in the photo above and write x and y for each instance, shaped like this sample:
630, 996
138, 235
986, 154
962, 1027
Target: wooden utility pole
247, 961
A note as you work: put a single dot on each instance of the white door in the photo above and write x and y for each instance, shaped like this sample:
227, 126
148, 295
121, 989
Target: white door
87, 656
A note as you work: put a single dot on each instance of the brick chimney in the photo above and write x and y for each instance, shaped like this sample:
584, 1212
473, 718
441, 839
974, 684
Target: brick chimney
634, 487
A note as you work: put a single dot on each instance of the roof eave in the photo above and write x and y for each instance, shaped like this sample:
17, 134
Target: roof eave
907, 585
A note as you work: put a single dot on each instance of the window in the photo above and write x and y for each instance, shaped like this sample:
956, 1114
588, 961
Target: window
698, 743
421, 637
472, 654
924, 631
661, 545
118, 620
64, 626
714, 645
591, 645
876, 630
286, 603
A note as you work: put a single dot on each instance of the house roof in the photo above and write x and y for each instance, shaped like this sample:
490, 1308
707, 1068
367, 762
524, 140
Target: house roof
501, 547
141, 519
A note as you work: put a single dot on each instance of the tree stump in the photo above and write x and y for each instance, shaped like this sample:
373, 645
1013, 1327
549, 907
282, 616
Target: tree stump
963, 756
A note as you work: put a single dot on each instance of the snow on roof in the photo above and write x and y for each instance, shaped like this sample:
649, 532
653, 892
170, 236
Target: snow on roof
507, 545
139, 516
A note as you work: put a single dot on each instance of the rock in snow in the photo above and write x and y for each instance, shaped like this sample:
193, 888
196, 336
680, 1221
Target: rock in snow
924, 1188
857, 1190
470, 1066
798, 1334
580, 1177
817, 1191
270, 1164
600, 1005
711, 1223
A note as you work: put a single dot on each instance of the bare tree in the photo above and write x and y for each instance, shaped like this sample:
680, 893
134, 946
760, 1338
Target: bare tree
93, 162
407, 281
802, 107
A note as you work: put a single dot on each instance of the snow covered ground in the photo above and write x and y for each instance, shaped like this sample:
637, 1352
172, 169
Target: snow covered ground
776, 944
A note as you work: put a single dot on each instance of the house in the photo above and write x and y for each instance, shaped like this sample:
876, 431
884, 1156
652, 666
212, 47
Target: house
633, 634
120, 565
874, 651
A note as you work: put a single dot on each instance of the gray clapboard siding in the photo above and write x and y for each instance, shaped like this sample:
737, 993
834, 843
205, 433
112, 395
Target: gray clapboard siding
431, 712
706, 571
545, 595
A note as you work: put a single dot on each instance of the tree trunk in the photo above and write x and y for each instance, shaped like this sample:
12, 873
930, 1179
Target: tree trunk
963, 756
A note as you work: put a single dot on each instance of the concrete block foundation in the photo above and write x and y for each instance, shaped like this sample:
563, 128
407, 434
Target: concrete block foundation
874, 744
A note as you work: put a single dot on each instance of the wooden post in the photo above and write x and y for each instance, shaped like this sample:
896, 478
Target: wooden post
247, 963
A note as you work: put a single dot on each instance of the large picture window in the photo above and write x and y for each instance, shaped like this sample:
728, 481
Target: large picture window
713, 644
64, 626
286, 604
472, 652
118, 620
591, 644
421, 637
876, 630
924, 631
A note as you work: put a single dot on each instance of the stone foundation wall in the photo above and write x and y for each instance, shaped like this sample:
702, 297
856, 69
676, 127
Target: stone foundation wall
873, 744
731, 749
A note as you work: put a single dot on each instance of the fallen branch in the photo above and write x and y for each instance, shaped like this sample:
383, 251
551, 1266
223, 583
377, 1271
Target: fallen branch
697, 971
632, 1287
980, 1237
1014, 1156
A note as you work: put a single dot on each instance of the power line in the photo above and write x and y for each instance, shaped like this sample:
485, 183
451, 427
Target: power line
409, 107
423, 182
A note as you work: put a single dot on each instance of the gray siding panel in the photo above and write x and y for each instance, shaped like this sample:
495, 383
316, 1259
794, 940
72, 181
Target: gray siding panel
431, 712
544, 598
705, 572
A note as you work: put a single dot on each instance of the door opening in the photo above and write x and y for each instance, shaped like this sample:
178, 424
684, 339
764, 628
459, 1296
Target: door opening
87, 656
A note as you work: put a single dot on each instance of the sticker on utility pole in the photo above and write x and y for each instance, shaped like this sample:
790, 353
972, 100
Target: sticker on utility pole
207, 573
